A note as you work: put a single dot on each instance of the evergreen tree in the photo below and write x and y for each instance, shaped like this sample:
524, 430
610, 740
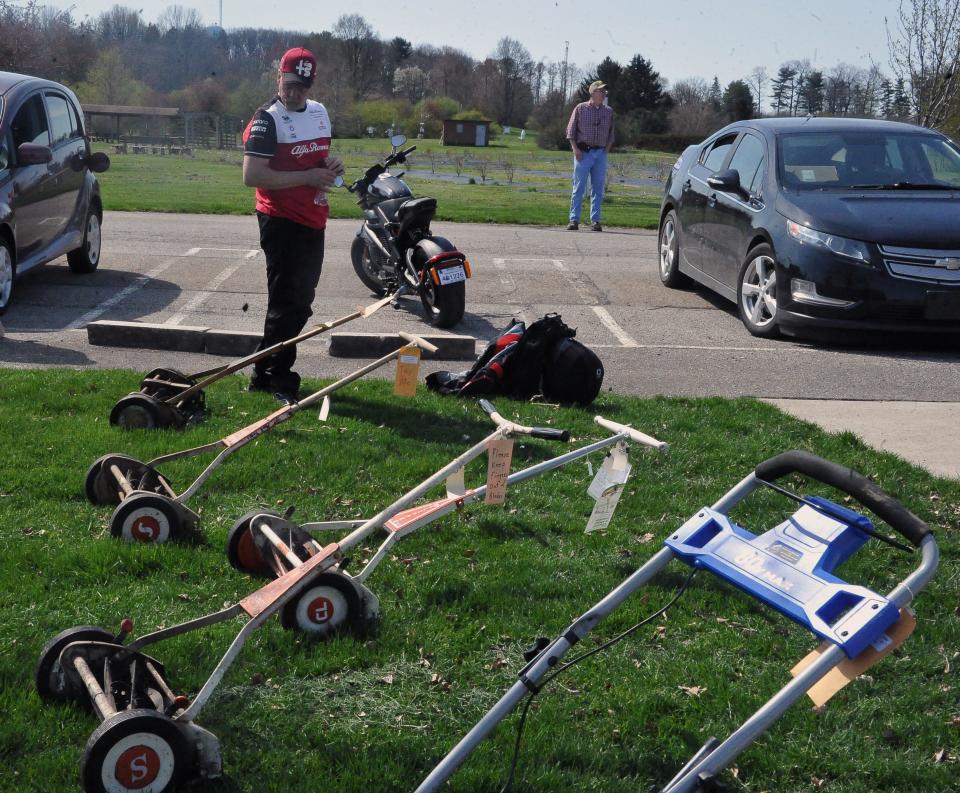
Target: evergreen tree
900, 107
782, 89
738, 101
715, 95
609, 72
811, 93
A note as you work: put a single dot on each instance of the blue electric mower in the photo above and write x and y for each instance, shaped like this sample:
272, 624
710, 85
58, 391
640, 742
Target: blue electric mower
789, 568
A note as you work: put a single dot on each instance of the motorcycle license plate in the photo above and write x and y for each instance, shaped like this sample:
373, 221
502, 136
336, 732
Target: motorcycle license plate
452, 275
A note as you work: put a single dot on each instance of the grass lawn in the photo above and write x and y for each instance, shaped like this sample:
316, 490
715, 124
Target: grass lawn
460, 601
522, 184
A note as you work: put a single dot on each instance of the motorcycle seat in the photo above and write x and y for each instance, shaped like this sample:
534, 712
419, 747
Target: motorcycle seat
391, 207
416, 212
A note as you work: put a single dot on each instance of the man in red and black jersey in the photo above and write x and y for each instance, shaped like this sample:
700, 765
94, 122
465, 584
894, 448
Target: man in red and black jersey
286, 150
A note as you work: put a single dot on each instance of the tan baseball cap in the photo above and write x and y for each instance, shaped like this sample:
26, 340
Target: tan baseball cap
597, 85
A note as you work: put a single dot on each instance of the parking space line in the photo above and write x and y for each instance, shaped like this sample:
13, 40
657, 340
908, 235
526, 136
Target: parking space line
610, 324
248, 253
201, 297
85, 319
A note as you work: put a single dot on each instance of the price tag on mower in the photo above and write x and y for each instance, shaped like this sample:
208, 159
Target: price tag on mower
499, 455
456, 484
408, 371
606, 488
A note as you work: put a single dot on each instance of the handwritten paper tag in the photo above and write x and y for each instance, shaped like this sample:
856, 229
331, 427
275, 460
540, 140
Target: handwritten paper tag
408, 370
499, 454
607, 487
456, 486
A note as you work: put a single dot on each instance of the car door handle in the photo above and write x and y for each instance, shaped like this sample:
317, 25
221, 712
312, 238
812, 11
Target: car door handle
712, 200
687, 185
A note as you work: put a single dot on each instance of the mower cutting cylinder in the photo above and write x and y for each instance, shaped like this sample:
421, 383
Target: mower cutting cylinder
149, 510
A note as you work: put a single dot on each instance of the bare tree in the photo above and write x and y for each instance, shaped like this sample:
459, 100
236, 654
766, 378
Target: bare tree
757, 80
177, 17
924, 49
357, 41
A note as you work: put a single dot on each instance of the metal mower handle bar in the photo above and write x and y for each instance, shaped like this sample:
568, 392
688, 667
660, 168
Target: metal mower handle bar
547, 433
850, 482
635, 435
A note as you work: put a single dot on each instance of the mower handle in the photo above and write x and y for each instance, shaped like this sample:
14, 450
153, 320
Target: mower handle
850, 482
547, 433
420, 342
635, 435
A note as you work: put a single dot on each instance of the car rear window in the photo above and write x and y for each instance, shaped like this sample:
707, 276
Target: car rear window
867, 159
30, 123
62, 121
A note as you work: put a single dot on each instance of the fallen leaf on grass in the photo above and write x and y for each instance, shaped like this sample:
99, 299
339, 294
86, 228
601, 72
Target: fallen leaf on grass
692, 691
388, 679
469, 553
817, 782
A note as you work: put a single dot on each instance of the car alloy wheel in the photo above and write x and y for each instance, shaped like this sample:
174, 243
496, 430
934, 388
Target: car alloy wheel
758, 294
6, 276
667, 240
93, 239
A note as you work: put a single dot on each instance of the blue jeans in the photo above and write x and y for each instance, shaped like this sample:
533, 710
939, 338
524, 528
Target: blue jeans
593, 163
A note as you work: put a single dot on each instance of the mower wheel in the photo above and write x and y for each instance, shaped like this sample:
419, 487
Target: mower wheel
52, 683
136, 750
330, 603
242, 551
148, 518
101, 486
144, 412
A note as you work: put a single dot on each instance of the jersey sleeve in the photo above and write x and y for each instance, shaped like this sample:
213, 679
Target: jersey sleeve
260, 136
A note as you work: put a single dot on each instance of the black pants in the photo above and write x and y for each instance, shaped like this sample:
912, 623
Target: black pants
294, 254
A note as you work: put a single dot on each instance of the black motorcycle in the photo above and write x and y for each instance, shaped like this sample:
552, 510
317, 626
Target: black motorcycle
394, 249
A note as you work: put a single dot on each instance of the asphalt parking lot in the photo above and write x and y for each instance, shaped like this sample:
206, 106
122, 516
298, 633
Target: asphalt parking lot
196, 270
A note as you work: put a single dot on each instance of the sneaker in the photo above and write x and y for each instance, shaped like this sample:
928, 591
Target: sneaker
285, 398
573, 225
259, 384
597, 227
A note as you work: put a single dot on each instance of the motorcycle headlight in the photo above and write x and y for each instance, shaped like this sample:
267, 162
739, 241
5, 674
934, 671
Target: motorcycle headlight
851, 249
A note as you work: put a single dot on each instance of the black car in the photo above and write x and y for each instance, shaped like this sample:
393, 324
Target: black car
49, 197
819, 224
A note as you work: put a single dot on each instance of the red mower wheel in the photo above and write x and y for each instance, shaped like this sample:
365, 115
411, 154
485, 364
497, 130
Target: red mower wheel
51, 681
135, 750
328, 605
242, 552
148, 518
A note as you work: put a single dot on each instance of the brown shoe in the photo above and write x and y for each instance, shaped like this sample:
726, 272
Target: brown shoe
597, 227
572, 226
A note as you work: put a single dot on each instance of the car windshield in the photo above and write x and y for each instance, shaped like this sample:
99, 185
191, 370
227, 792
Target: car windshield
868, 161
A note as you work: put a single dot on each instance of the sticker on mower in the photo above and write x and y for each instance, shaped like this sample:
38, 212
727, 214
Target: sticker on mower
140, 762
147, 525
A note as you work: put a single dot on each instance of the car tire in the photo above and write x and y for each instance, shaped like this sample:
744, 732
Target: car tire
86, 258
669, 247
757, 292
7, 271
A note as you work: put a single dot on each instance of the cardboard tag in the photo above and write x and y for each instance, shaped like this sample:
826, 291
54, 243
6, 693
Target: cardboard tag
499, 455
324, 409
614, 471
456, 486
607, 487
408, 371
851, 668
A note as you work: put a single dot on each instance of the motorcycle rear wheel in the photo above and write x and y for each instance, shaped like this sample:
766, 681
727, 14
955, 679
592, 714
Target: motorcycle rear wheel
444, 305
364, 268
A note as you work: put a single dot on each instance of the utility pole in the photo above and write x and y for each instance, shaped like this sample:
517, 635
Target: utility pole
221, 14
563, 76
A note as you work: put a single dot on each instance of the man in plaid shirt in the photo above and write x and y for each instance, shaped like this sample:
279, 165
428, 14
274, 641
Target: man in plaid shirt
590, 132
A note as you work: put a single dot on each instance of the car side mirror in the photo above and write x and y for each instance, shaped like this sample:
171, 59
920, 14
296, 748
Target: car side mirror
727, 181
98, 162
33, 154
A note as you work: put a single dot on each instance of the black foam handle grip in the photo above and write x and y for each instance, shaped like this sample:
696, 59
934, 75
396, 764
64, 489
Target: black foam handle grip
850, 482
487, 406
550, 434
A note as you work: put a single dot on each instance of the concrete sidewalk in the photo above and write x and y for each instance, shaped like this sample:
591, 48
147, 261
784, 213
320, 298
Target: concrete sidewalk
923, 433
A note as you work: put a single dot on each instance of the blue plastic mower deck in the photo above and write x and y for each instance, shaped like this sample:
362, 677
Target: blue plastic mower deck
790, 569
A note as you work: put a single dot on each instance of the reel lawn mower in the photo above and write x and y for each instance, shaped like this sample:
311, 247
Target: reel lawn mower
267, 544
149, 510
789, 568
168, 398
148, 738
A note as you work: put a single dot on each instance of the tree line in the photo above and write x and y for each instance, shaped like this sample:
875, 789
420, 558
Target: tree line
369, 81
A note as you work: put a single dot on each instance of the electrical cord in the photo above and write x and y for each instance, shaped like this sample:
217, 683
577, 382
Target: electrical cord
576, 660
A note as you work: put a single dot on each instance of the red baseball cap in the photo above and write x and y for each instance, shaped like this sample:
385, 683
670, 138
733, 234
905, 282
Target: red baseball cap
298, 65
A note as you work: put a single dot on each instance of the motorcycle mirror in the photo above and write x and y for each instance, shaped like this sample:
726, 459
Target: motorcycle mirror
398, 140
338, 182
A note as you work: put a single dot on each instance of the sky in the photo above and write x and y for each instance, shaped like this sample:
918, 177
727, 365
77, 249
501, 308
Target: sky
682, 38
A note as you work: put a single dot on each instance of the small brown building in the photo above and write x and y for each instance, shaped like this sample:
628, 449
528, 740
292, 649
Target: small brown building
463, 132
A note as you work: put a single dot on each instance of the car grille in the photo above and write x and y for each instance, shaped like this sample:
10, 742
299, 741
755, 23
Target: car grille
922, 264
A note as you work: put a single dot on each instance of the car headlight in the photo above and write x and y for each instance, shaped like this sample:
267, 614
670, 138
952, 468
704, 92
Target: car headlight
851, 249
